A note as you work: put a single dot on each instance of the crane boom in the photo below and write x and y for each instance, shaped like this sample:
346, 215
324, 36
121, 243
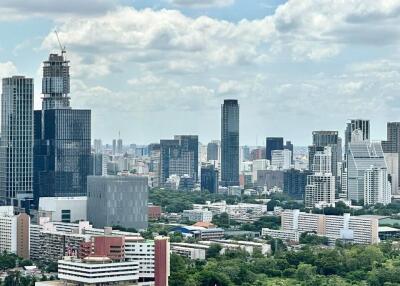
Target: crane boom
62, 48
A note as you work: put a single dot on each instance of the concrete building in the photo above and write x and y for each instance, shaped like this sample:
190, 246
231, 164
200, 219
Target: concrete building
161, 263
65, 209
360, 125
121, 199
270, 178
14, 232
97, 271
377, 188
355, 229
209, 179
198, 215
320, 189
281, 159
16, 145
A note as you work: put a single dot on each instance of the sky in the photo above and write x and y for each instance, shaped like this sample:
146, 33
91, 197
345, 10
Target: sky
151, 69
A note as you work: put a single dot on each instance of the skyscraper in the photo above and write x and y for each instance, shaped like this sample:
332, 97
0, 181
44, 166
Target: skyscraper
179, 157
362, 156
212, 151
272, 143
353, 125
119, 146
62, 137
209, 179
391, 149
230, 143
16, 149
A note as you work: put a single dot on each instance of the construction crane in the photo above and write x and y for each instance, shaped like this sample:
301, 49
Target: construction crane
62, 48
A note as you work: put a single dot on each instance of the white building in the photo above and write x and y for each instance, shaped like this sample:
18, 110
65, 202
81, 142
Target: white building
320, 189
281, 159
64, 209
97, 270
201, 215
259, 165
356, 229
14, 232
377, 188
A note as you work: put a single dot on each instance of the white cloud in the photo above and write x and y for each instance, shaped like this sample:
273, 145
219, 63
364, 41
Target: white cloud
21, 9
7, 69
202, 3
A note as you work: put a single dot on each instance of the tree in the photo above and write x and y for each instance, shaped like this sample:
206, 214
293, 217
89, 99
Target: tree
305, 272
214, 250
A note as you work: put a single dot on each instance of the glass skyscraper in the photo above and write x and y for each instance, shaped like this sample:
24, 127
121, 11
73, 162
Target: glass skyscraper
16, 153
62, 137
230, 143
271, 144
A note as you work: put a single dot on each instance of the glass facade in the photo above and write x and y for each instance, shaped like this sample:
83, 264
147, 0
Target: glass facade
62, 152
272, 143
16, 152
230, 143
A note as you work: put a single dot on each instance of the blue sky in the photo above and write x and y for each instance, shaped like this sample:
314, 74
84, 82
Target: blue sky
151, 69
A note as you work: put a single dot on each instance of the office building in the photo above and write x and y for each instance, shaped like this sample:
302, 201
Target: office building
256, 165
272, 143
62, 137
289, 146
98, 146
64, 209
363, 128
209, 179
16, 145
14, 232
114, 147
213, 151
322, 139
281, 159
121, 199
120, 147
391, 149
362, 156
179, 157
294, 183
98, 164
270, 178
230, 143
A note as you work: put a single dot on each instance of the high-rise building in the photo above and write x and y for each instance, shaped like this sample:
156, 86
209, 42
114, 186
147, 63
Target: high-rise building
244, 153
289, 146
320, 190
362, 156
213, 151
161, 261
377, 187
356, 124
272, 143
294, 182
62, 137
16, 147
230, 143
281, 159
209, 179
121, 199
114, 147
98, 146
391, 149
179, 157
120, 146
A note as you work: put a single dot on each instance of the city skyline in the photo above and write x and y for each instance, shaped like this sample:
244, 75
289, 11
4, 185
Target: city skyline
138, 80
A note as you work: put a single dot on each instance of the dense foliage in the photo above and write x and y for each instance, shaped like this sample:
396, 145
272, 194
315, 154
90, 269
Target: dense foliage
309, 266
177, 201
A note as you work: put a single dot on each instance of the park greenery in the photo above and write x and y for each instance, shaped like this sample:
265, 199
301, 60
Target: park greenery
343, 265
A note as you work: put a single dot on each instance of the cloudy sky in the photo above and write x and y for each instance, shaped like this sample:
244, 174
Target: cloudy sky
151, 69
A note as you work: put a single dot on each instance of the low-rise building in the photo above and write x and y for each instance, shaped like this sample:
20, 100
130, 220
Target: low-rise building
202, 215
64, 209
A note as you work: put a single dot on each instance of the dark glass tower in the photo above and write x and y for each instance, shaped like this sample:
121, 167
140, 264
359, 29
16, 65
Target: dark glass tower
230, 143
272, 143
62, 137
209, 179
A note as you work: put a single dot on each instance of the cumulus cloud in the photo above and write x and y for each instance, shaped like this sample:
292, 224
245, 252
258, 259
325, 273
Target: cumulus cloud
7, 69
21, 9
202, 3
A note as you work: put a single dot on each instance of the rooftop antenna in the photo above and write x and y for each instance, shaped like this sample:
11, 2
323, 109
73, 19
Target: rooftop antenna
62, 48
